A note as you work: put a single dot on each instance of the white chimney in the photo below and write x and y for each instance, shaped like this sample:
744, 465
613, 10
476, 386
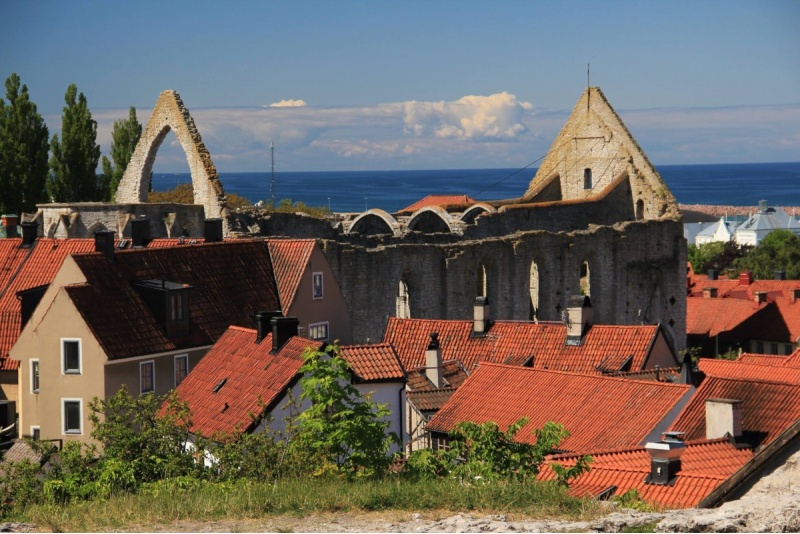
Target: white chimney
480, 312
579, 313
723, 417
433, 361
665, 458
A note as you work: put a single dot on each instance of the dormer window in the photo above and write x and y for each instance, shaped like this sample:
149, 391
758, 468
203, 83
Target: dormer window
169, 303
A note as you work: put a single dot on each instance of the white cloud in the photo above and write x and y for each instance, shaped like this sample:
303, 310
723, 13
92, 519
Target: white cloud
496, 117
288, 104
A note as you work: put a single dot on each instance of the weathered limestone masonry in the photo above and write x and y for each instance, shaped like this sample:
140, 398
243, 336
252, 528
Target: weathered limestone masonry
171, 114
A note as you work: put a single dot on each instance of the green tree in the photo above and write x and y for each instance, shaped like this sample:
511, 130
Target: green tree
718, 255
125, 135
347, 431
778, 251
75, 155
23, 151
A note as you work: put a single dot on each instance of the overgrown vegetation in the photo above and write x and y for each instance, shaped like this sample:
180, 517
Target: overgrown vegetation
332, 456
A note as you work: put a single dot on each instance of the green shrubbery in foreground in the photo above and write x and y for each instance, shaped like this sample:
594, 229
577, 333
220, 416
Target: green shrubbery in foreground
331, 457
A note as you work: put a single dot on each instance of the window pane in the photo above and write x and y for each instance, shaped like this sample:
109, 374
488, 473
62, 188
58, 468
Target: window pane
146, 376
72, 417
35, 376
72, 357
181, 369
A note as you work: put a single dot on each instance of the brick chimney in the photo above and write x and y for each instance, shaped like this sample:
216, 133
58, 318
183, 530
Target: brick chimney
8, 226
760, 297
433, 361
104, 242
30, 231
710, 292
665, 458
579, 315
723, 417
283, 329
745, 278
264, 323
480, 313
213, 230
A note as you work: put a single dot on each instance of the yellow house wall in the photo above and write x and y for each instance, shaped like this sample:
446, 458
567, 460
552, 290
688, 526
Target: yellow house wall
331, 308
9, 389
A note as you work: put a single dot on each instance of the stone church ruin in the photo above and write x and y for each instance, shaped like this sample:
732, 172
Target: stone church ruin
596, 219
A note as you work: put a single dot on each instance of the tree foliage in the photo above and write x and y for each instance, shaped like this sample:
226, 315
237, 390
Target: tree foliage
347, 431
718, 255
23, 151
778, 251
484, 453
75, 155
124, 137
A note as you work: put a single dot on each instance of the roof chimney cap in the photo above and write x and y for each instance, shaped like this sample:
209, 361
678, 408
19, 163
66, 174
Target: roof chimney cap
579, 301
30, 231
433, 344
762, 206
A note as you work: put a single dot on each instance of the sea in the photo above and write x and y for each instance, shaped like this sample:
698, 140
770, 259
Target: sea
735, 184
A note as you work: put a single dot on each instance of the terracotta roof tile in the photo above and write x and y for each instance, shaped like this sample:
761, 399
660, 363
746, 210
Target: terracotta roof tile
704, 466
606, 347
430, 400
374, 363
439, 200
762, 359
600, 412
453, 375
289, 259
253, 378
710, 317
768, 408
231, 281
750, 371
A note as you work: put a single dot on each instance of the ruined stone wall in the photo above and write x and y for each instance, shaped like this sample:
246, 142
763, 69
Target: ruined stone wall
84, 219
171, 114
637, 274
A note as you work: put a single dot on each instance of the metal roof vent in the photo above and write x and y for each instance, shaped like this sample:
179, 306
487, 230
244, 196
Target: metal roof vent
665, 459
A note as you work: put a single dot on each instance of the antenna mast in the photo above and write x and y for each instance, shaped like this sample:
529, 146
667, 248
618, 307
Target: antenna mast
272, 167
588, 88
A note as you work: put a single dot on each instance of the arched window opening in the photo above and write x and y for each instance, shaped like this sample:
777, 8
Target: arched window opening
585, 285
534, 291
402, 310
639, 209
481, 282
587, 178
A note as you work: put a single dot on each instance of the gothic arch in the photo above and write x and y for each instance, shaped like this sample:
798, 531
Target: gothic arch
375, 221
170, 114
533, 287
430, 220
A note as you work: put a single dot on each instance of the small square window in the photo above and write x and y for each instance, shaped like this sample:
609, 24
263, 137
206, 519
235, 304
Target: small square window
318, 331
773, 348
146, 377
316, 279
72, 416
759, 347
181, 368
787, 349
34, 376
71, 352
35, 433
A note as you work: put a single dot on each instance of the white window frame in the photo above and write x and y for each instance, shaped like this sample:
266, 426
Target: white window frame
152, 376
64, 430
37, 374
327, 331
64, 370
314, 294
175, 367
33, 434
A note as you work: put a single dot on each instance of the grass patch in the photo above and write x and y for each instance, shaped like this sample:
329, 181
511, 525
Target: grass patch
642, 527
166, 502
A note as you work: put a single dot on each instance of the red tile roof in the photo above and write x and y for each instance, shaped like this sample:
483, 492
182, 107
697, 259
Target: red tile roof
600, 412
374, 363
430, 400
253, 377
768, 408
604, 346
289, 259
41, 263
439, 200
710, 317
750, 371
762, 359
453, 375
231, 281
704, 466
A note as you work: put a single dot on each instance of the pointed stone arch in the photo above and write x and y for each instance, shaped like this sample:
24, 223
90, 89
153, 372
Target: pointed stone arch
168, 115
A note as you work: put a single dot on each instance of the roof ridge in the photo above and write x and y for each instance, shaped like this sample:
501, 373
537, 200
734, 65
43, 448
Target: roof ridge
578, 373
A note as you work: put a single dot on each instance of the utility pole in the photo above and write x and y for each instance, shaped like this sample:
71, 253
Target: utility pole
272, 167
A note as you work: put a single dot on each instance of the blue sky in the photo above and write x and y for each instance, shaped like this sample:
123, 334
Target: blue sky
362, 85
